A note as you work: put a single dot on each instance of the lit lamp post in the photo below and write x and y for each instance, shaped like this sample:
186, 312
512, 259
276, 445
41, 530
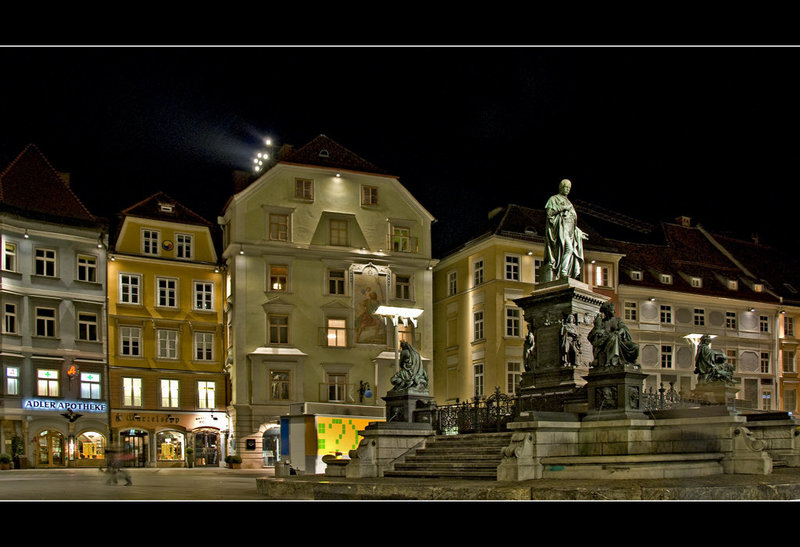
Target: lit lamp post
396, 315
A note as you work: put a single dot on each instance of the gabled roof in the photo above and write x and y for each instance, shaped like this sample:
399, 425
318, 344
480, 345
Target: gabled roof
324, 152
31, 185
160, 206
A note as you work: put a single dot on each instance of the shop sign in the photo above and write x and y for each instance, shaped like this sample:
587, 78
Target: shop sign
61, 406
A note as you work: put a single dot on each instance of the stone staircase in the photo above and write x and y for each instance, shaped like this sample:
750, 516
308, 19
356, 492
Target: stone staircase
466, 456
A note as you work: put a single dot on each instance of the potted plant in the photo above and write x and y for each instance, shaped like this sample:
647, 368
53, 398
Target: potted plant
5, 461
233, 461
189, 456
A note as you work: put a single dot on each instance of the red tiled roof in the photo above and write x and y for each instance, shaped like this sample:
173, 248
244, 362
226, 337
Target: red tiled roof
151, 207
324, 152
31, 184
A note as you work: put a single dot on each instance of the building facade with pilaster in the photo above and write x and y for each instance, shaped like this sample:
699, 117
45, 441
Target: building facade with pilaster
54, 393
312, 247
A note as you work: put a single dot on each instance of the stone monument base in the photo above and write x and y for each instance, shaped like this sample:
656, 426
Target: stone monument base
615, 393
402, 406
717, 393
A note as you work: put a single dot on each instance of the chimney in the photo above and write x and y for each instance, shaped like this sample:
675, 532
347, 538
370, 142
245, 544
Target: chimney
686, 222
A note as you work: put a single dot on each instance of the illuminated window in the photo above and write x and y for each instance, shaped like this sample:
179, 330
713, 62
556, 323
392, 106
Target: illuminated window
130, 340
87, 327
279, 385
129, 285
169, 445
204, 346
206, 395
167, 343
278, 328
167, 292
203, 295
337, 333
369, 195
401, 239
631, 311
132, 391
278, 278
336, 284
47, 383
732, 357
10, 318
45, 262
10, 257
46, 322
169, 393
278, 227
150, 241
338, 232
12, 380
90, 385
304, 189
601, 277
87, 268
184, 246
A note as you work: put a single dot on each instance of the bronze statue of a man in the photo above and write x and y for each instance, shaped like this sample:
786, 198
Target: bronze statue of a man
712, 365
563, 255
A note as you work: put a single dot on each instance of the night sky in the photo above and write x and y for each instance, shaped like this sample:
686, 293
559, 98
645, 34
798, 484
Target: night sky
652, 132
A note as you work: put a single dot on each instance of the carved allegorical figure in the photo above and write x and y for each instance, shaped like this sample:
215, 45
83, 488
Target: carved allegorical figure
412, 375
570, 342
711, 365
563, 254
611, 340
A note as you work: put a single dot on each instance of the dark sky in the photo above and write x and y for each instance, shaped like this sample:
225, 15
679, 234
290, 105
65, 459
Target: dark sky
653, 132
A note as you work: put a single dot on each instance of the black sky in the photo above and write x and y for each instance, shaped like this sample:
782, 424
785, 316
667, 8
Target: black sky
653, 132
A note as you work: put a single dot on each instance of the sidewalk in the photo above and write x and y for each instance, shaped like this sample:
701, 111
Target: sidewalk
781, 484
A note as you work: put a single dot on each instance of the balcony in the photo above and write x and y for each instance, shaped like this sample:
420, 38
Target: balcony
343, 394
402, 244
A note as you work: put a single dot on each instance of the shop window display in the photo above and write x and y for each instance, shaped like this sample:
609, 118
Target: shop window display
170, 445
91, 445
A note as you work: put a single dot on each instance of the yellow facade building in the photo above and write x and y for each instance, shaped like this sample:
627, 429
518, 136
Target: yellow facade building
168, 387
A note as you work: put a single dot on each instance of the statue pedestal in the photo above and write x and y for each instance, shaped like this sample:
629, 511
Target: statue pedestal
550, 308
402, 406
717, 393
615, 393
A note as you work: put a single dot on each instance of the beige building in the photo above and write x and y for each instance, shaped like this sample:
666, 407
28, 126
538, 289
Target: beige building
312, 247
479, 329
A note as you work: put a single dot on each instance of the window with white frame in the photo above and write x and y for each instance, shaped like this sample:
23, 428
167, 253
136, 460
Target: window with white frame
336, 282
477, 379
130, 341
280, 385
788, 361
203, 295
166, 292
666, 279
477, 273
184, 246
45, 262
631, 311
278, 227
730, 320
512, 267
513, 322
88, 328
278, 328
732, 356
452, 283
129, 288
45, 322
47, 384
697, 282
170, 391
636, 275
206, 394
699, 317
87, 268
90, 385
402, 286
763, 323
337, 387
788, 325
132, 392
150, 241
401, 239
766, 400
477, 325
601, 275
204, 346
666, 356
336, 332
10, 318
764, 362
666, 314
537, 265
9, 256
513, 376
167, 343
12, 381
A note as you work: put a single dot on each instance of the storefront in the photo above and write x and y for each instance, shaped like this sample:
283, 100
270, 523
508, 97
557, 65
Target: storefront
154, 439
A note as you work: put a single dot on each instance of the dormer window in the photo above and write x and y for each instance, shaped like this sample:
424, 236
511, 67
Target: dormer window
324, 153
166, 207
733, 284
666, 279
697, 282
636, 275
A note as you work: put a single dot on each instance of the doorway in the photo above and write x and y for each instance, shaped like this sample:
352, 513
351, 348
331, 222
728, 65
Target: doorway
51, 449
206, 448
134, 448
